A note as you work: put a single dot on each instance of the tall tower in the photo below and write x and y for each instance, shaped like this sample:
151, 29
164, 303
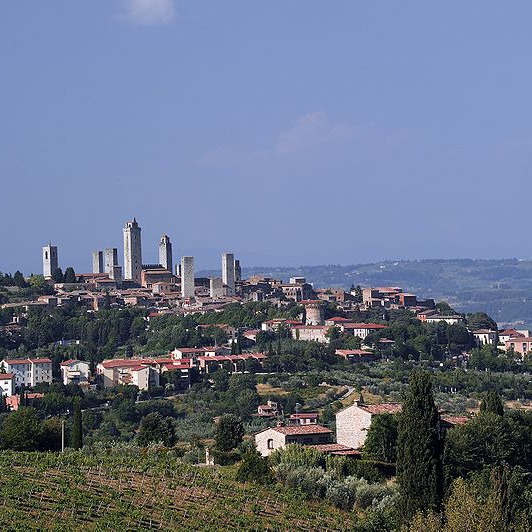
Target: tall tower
238, 271
97, 262
50, 262
228, 272
132, 252
187, 276
165, 253
110, 260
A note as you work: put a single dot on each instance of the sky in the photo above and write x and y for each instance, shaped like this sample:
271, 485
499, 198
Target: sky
292, 132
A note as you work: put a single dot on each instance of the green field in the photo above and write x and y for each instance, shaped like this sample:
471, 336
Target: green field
146, 491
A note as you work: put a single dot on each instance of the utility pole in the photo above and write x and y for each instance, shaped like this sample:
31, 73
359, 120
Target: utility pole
62, 435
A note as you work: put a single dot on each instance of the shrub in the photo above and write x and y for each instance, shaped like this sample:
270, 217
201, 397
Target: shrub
298, 455
254, 468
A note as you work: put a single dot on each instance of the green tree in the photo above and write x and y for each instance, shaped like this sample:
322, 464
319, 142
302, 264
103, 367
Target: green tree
492, 403
381, 440
19, 280
77, 430
358, 294
228, 433
254, 468
21, 430
57, 275
480, 320
419, 449
70, 275
155, 428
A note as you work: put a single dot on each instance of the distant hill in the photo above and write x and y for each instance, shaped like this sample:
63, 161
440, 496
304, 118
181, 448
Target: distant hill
500, 287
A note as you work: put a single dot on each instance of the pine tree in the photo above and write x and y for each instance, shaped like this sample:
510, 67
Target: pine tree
77, 432
419, 449
492, 403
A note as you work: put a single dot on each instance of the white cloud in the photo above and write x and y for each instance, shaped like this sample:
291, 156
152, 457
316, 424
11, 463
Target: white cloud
311, 130
149, 12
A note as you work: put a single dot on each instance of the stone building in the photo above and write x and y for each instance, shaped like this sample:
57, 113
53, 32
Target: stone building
165, 253
132, 252
97, 262
187, 277
274, 438
50, 261
314, 314
228, 273
353, 422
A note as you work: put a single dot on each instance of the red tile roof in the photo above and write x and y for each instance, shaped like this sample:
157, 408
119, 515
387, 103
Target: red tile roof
294, 430
364, 326
6, 376
382, 408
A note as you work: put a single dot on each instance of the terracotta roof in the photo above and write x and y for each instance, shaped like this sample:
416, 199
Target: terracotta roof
307, 415
15, 361
455, 420
383, 408
364, 326
310, 327
40, 360
338, 318
357, 352
6, 376
333, 448
294, 430
69, 362
233, 357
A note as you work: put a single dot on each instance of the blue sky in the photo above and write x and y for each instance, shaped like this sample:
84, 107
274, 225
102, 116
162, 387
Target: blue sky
290, 132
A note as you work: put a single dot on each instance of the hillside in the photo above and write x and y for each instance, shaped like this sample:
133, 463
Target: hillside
66, 492
500, 287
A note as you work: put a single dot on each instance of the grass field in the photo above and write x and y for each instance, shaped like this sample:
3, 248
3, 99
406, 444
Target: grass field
147, 491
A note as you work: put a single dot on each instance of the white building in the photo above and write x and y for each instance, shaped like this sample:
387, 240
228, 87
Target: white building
187, 277
6, 384
139, 372
132, 252
50, 261
29, 371
165, 253
274, 438
74, 372
485, 337
228, 273
353, 422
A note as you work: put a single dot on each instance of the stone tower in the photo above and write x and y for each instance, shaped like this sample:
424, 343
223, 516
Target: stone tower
132, 252
314, 314
187, 276
97, 262
228, 272
165, 253
50, 261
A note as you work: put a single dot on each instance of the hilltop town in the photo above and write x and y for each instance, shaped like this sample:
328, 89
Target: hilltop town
257, 374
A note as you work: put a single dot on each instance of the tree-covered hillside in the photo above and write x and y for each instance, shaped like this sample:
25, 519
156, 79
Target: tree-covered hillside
500, 287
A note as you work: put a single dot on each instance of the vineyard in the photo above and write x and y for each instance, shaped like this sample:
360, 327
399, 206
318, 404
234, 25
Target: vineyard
150, 491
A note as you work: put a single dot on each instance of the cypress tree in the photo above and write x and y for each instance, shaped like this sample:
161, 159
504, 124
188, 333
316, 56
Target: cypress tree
419, 449
492, 403
77, 434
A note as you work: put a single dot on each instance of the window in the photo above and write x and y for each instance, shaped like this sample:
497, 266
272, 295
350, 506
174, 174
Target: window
270, 443
323, 439
307, 440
